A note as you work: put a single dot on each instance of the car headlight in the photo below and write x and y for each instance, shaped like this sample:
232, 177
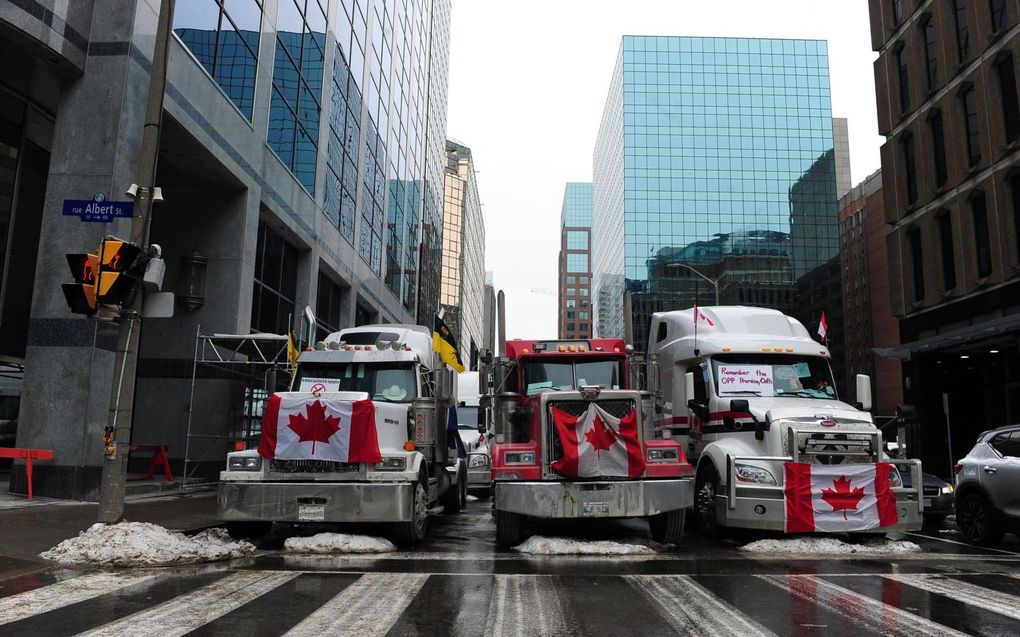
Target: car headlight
244, 463
519, 457
662, 455
894, 478
946, 490
753, 475
478, 460
397, 463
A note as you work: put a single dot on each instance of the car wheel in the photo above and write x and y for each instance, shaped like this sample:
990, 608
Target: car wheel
706, 488
977, 521
509, 528
668, 527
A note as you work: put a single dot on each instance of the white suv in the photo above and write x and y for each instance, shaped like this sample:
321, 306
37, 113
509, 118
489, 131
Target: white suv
988, 487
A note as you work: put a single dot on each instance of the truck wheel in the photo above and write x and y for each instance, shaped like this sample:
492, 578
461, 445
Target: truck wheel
977, 521
413, 531
705, 491
451, 499
248, 530
668, 527
462, 485
509, 528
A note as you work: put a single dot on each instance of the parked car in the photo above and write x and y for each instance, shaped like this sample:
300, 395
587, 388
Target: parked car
988, 487
937, 493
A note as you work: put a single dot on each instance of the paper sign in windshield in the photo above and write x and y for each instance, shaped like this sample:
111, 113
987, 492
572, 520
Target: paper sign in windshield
320, 384
745, 379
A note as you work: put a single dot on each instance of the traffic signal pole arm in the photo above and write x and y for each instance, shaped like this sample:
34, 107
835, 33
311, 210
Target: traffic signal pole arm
117, 436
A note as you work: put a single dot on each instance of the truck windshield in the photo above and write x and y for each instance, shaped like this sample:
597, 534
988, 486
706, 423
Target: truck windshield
550, 374
391, 382
772, 375
467, 417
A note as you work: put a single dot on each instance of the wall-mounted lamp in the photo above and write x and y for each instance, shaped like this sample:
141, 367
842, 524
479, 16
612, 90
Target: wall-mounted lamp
192, 293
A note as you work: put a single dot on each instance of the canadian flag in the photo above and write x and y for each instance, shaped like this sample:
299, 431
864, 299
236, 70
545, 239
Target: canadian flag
823, 327
834, 498
598, 444
701, 316
303, 426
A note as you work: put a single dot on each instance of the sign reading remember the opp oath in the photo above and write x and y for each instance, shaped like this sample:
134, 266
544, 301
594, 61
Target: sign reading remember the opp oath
98, 209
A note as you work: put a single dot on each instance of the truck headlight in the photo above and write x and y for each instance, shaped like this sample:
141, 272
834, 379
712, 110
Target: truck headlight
244, 463
946, 490
894, 478
478, 460
753, 475
519, 457
662, 455
396, 463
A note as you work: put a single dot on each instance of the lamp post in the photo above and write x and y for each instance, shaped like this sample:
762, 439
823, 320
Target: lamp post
714, 282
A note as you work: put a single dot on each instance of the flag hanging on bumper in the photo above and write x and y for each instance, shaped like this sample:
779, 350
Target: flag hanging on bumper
835, 498
302, 426
597, 444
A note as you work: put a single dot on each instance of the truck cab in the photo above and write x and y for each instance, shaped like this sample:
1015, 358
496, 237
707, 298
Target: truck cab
474, 428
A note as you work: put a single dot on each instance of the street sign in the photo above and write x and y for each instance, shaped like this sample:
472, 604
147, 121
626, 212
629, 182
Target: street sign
98, 209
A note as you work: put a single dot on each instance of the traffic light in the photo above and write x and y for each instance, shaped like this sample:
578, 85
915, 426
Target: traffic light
81, 295
118, 272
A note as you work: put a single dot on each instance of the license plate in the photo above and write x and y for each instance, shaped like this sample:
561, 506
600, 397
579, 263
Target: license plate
308, 513
594, 508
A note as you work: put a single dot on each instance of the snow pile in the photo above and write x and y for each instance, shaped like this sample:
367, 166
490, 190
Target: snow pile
338, 543
539, 545
830, 546
145, 544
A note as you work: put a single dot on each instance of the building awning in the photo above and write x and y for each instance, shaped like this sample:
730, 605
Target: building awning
952, 339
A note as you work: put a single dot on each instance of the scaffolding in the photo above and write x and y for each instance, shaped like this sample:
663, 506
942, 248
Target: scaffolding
260, 362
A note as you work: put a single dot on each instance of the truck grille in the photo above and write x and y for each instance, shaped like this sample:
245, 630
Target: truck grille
836, 447
311, 466
616, 408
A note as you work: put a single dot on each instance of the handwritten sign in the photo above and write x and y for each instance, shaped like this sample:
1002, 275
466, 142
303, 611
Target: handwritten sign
736, 379
320, 384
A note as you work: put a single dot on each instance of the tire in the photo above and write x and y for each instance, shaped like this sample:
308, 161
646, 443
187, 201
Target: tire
667, 528
509, 528
248, 530
462, 484
413, 531
978, 521
705, 491
451, 499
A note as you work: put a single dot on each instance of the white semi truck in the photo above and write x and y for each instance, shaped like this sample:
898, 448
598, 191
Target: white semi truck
473, 424
746, 390
411, 392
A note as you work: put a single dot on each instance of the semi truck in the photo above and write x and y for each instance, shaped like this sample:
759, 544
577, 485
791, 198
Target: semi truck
361, 437
574, 440
473, 424
748, 392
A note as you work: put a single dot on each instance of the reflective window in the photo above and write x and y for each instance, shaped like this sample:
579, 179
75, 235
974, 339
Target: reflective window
571, 291
971, 123
910, 168
945, 224
577, 263
962, 32
982, 243
938, 147
904, 76
998, 10
571, 280
272, 303
917, 261
1007, 90
223, 35
577, 240
931, 53
328, 302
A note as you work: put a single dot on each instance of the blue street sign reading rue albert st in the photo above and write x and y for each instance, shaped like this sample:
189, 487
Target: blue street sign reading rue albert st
97, 209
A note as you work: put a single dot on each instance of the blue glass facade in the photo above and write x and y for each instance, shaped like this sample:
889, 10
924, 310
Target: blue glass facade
715, 154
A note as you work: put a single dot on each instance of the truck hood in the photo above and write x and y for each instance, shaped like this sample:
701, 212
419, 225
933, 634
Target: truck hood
809, 410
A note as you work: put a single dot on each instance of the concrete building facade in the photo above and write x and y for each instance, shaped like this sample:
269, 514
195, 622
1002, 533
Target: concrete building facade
574, 312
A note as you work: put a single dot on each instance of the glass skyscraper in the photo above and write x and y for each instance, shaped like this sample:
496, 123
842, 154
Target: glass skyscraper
714, 157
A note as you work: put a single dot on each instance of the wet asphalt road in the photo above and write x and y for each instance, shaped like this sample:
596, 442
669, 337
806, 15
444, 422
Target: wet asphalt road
458, 583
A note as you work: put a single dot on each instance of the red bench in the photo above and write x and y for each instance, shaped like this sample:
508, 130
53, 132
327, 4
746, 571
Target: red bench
159, 459
28, 455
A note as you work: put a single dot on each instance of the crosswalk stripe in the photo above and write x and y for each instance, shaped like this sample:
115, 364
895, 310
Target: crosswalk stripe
690, 609
72, 591
526, 605
188, 612
369, 606
866, 613
971, 594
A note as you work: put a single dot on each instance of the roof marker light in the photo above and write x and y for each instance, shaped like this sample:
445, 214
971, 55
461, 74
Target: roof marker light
789, 349
726, 349
777, 349
764, 349
571, 348
562, 348
524, 351
616, 349
581, 348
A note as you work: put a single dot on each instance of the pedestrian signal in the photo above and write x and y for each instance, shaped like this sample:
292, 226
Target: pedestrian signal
118, 272
81, 295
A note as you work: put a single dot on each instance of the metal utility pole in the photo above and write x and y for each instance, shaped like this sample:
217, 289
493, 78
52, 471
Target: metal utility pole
122, 396
714, 282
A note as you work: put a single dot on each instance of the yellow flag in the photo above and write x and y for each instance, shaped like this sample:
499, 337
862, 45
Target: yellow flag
444, 343
292, 352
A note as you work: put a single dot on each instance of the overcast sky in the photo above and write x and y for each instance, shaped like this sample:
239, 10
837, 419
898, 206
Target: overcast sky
528, 83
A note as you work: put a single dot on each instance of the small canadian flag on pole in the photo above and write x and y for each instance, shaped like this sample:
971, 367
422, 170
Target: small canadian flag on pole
823, 327
837, 498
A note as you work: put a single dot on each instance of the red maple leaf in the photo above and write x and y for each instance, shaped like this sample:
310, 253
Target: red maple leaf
316, 427
842, 498
600, 436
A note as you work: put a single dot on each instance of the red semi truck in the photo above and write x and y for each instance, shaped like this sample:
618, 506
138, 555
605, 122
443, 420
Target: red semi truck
574, 439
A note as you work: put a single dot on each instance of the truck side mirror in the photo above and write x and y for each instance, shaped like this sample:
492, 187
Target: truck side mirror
864, 392
701, 411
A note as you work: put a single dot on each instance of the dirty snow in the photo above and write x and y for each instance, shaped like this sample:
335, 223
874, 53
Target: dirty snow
472, 498
338, 543
539, 545
145, 544
830, 546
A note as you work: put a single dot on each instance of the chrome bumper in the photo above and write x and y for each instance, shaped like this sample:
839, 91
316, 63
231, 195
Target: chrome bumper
612, 499
767, 511
480, 478
314, 502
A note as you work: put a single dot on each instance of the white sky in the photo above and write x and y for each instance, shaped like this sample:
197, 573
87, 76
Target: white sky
528, 82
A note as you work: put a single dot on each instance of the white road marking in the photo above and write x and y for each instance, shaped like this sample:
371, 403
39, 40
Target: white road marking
184, 614
65, 593
690, 609
526, 605
961, 591
867, 614
369, 606
958, 543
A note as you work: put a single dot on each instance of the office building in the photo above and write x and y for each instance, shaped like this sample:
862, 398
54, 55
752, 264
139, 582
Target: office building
574, 275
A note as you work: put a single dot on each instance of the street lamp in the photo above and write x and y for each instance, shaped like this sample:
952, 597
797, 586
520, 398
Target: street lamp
714, 282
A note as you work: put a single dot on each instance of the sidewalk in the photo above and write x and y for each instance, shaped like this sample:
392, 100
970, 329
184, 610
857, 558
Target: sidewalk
29, 528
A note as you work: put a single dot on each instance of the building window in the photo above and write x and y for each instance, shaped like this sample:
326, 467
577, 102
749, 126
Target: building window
982, 243
910, 168
571, 280
571, 291
962, 33
1014, 191
577, 240
272, 302
571, 303
917, 259
897, 12
1010, 106
584, 291
583, 327
328, 299
570, 327
998, 9
945, 223
971, 123
901, 65
938, 147
931, 53
571, 315
584, 316
577, 263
